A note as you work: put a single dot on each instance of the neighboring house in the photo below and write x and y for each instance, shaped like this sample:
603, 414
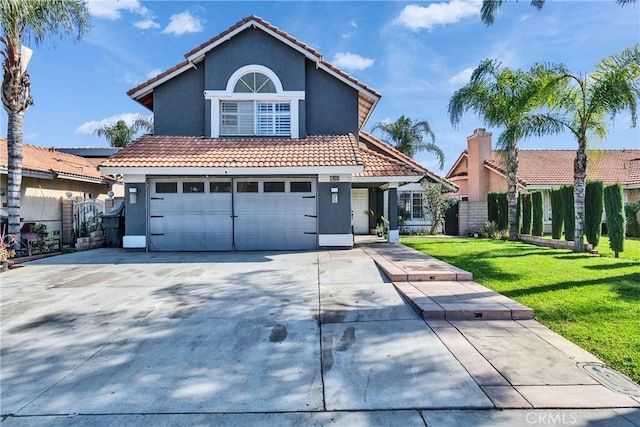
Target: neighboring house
480, 170
48, 178
95, 156
257, 144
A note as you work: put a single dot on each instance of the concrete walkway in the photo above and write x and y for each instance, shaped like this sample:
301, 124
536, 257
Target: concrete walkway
106, 338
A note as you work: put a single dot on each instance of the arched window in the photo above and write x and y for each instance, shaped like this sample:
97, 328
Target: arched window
254, 83
254, 104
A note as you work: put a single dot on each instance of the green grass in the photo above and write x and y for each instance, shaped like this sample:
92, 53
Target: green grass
593, 301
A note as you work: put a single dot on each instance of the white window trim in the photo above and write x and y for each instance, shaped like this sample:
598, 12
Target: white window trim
411, 193
216, 96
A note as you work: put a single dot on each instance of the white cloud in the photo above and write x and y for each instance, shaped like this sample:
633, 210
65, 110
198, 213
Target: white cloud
110, 9
351, 61
184, 22
151, 74
419, 17
146, 24
462, 77
88, 128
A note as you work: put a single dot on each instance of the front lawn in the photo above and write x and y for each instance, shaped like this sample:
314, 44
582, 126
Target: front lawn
593, 301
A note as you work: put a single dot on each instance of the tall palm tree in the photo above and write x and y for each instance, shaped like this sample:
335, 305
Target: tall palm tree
33, 20
120, 134
581, 105
508, 99
490, 8
407, 136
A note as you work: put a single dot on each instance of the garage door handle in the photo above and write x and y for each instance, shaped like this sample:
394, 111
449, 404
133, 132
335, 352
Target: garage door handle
157, 234
310, 232
157, 216
308, 197
157, 198
311, 216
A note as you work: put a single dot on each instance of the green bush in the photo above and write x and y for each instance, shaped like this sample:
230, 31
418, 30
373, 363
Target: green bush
557, 214
492, 207
527, 213
569, 213
538, 213
498, 210
593, 208
615, 217
503, 209
631, 211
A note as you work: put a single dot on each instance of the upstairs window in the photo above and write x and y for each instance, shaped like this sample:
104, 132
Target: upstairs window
254, 104
255, 118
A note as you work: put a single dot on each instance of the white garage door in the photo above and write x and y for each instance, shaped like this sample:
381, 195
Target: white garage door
192, 214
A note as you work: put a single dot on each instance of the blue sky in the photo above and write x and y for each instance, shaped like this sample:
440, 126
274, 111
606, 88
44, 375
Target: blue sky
415, 53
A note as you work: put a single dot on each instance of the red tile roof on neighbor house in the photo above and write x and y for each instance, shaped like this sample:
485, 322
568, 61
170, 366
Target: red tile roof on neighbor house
188, 151
368, 96
555, 167
44, 160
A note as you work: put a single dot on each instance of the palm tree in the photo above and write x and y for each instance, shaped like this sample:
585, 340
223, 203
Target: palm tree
490, 8
120, 134
34, 20
407, 136
581, 105
508, 99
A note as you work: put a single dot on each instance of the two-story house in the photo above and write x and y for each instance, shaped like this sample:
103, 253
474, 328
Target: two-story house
257, 145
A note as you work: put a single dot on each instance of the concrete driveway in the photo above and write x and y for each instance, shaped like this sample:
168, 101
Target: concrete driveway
107, 337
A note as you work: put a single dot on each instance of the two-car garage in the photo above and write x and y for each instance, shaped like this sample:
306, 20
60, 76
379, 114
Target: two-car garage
222, 214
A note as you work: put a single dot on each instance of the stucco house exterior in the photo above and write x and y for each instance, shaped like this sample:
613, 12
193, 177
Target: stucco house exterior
49, 177
480, 170
258, 145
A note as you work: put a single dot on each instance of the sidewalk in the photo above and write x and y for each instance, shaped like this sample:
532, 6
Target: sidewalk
518, 362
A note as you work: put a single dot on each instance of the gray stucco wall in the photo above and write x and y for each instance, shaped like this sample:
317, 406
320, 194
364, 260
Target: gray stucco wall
135, 214
178, 105
254, 46
331, 105
334, 218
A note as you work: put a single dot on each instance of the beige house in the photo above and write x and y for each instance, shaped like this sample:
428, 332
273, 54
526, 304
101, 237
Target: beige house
480, 170
48, 178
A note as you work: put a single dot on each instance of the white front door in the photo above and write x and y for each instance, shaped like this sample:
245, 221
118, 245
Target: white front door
359, 210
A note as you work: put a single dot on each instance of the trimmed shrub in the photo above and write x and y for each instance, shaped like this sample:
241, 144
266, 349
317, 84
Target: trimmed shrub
631, 211
498, 210
557, 214
527, 213
492, 207
569, 213
538, 216
503, 209
615, 217
593, 208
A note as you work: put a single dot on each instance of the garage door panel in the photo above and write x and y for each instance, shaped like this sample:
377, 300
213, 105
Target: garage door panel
191, 221
276, 221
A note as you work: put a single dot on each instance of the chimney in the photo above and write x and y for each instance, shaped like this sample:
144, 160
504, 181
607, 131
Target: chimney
478, 150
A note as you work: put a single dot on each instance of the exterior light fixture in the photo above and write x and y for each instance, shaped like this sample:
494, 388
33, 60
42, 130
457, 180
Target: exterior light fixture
334, 194
133, 196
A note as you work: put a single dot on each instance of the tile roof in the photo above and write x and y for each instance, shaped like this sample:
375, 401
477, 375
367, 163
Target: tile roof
189, 151
45, 160
389, 151
555, 167
367, 100
376, 164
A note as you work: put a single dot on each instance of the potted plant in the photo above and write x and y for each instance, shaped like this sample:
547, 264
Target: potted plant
7, 249
379, 230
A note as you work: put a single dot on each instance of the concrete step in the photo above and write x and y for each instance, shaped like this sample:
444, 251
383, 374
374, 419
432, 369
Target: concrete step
449, 300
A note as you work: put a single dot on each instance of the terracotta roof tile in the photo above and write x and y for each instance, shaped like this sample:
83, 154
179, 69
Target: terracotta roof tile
555, 167
187, 151
376, 164
38, 159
